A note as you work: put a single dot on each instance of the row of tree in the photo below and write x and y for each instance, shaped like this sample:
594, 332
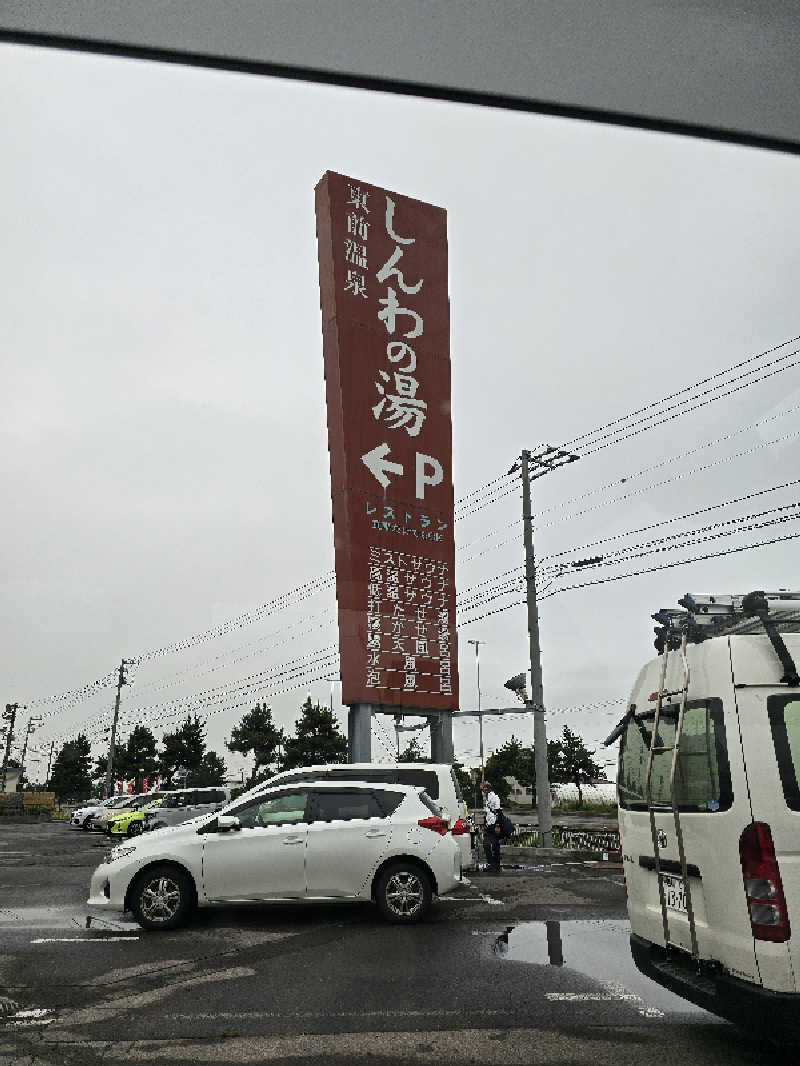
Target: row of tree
569, 761
184, 759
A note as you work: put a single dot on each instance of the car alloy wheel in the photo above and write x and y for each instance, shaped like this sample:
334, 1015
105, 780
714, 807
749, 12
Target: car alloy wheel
162, 897
404, 892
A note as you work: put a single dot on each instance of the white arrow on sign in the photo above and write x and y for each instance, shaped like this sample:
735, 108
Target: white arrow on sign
378, 465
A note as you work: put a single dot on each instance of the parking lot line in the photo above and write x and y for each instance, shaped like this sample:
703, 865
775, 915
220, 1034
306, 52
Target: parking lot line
81, 939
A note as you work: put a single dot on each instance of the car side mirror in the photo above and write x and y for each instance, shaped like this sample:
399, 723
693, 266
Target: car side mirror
226, 822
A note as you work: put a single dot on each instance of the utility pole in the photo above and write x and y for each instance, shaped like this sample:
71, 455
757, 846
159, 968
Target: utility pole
477, 644
9, 716
30, 729
546, 461
121, 680
49, 764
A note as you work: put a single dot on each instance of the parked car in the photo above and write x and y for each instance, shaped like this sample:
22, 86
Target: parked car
130, 820
709, 809
123, 803
312, 841
83, 817
438, 780
182, 805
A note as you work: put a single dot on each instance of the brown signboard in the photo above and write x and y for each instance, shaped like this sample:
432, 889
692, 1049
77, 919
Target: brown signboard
386, 347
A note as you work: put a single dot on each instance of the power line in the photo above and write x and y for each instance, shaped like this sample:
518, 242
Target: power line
681, 562
683, 410
681, 392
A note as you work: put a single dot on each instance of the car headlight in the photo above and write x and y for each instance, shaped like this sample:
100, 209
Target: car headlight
120, 853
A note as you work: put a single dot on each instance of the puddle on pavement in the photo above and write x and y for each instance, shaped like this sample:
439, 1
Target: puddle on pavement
599, 950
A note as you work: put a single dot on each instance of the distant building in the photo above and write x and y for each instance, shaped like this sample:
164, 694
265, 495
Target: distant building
519, 793
12, 779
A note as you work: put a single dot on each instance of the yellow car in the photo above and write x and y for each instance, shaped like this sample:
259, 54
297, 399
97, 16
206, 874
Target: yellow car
130, 822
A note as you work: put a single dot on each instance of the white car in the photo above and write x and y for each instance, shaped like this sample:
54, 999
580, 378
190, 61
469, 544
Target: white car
83, 817
311, 841
438, 779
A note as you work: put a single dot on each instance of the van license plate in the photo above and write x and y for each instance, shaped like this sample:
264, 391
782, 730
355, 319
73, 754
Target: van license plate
674, 893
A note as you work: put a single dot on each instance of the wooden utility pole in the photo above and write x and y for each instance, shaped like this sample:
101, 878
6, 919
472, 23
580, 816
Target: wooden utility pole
10, 716
121, 680
29, 729
550, 459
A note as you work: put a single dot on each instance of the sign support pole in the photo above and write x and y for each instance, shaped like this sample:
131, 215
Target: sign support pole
359, 732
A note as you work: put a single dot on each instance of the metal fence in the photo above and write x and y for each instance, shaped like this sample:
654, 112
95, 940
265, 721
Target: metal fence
579, 837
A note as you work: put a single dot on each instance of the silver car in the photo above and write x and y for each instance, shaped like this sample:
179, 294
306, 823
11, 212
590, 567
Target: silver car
185, 804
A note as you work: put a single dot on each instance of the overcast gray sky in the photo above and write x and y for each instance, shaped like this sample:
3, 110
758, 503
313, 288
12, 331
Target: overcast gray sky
164, 460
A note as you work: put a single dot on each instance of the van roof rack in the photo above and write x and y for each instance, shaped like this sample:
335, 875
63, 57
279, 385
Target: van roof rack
704, 617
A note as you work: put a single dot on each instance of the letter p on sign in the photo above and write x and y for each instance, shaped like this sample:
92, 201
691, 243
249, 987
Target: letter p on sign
429, 472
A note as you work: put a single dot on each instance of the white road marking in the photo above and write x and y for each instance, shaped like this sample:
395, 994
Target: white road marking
492, 902
25, 1019
612, 991
82, 939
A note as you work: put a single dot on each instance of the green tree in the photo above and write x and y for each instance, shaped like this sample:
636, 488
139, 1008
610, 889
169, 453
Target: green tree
514, 760
502, 763
412, 752
575, 763
465, 782
140, 757
212, 771
101, 763
257, 733
70, 777
184, 748
317, 739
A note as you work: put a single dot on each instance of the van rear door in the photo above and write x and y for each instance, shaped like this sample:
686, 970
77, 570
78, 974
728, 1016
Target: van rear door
714, 808
770, 726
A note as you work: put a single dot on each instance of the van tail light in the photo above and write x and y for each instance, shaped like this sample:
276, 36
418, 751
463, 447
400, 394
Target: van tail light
766, 903
460, 828
438, 825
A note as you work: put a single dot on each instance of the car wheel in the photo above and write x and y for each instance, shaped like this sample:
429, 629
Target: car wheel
162, 898
88, 822
134, 829
403, 892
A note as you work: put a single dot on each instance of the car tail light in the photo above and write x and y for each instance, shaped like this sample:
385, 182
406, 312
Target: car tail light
766, 903
460, 828
438, 825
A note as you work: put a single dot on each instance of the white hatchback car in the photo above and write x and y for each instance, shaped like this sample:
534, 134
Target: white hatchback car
313, 841
83, 817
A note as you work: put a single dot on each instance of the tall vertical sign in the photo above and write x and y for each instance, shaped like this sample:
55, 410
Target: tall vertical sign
386, 347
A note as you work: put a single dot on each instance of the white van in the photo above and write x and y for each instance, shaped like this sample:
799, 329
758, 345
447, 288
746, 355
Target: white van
709, 808
438, 779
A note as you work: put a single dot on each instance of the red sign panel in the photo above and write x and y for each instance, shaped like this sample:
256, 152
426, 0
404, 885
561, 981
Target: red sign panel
386, 345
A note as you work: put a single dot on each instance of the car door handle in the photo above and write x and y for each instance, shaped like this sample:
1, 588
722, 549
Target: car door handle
294, 840
375, 833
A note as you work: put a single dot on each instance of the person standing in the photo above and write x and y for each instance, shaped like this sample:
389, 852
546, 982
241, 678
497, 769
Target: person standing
491, 827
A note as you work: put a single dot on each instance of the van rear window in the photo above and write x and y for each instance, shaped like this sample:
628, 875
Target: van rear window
784, 720
702, 777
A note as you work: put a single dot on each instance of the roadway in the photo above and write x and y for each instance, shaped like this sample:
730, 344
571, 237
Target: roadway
531, 966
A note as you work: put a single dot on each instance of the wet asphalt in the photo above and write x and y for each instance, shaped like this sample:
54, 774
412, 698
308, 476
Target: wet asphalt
531, 966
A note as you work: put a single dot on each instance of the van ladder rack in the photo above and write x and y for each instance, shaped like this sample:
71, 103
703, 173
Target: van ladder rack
705, 617
652, 808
